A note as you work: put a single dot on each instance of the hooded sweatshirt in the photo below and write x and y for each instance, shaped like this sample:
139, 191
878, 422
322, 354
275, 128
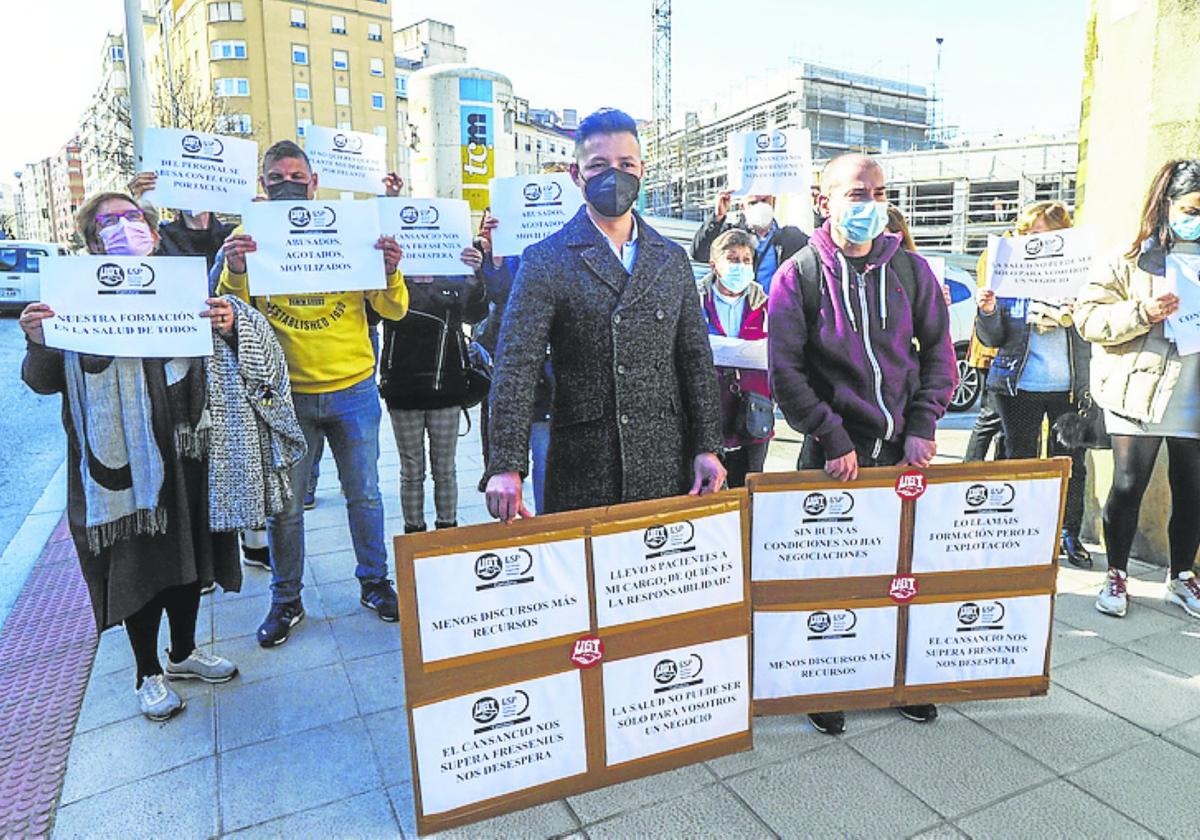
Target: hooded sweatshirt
875, 366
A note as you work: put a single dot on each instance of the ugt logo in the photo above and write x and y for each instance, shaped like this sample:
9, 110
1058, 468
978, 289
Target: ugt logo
910, 484
110, 275
903, 589
588, 651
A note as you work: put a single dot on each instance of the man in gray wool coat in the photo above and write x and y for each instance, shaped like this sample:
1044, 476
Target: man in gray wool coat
635, 407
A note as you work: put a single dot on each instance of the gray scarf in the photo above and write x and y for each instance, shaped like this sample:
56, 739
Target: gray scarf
255, 437
121, 469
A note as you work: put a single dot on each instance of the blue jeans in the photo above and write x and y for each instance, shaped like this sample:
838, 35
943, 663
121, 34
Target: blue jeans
539, 442
349, 420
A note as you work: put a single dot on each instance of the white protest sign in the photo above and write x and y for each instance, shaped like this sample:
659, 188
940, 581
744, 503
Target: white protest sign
490, 743
1183, 325
347, 160
313, 246
738, 352
478, 601
965, 525
127, 306
668, 569
769, 162
983, 639
675, 698
832, 533
1042, 266
432, 233
938, 266
530, 208
823, 651
199, 171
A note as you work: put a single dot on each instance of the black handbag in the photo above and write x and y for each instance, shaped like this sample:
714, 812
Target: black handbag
478, 370
1083, 428
755, 417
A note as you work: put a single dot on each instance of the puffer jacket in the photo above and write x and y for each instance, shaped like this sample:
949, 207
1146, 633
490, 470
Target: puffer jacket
1134, 366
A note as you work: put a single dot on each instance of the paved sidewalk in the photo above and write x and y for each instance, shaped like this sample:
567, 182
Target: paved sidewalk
310, 740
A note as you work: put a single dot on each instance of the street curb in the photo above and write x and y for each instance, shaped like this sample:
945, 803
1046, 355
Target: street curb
26, 545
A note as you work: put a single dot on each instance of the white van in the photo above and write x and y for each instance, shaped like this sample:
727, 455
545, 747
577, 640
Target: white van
19, 265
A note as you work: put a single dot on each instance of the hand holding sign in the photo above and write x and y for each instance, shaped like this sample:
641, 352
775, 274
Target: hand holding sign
31, 321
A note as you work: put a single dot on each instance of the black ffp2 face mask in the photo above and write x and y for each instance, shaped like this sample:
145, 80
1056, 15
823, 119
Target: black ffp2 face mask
612, 192
287, 191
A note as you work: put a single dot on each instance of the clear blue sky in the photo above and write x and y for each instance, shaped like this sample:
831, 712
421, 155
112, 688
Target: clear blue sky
1008, 66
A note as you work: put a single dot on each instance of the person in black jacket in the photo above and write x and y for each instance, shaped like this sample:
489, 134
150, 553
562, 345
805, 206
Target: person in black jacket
423, 380
756, 214
189, 234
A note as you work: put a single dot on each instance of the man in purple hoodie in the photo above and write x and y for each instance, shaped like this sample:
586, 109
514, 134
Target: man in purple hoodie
859, 351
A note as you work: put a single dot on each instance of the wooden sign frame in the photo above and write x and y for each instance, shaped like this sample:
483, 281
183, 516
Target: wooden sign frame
445, 679
933, 587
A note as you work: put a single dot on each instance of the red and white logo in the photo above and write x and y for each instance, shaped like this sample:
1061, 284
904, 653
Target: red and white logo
589, 651
903, 589
910, 485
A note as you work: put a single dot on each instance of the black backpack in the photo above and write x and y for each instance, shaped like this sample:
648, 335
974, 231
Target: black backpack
812, 281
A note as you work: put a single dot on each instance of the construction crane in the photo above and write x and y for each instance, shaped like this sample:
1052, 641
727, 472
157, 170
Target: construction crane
662, 102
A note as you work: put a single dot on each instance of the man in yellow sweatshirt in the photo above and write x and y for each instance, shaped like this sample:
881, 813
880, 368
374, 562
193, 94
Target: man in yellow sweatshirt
332, 366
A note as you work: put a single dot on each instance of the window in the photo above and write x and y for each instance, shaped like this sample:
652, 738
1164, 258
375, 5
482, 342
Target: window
337, 24
376, 66
374, 32
341, 95
234, 124
298, 19
218, 12
302, 92
116, 53
302, 127
233, 87
377, 101
299, 54
228, 49
341, 60
402, 85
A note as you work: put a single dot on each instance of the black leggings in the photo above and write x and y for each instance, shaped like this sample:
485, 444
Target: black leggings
1133, 463
1022, 417
182, 604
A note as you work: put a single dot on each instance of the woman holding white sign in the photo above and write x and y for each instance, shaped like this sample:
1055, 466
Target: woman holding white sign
1148, 390
1040, 372
137, 490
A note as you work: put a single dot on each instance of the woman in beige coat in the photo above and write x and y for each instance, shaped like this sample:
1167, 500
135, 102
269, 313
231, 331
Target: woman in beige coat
1150, 393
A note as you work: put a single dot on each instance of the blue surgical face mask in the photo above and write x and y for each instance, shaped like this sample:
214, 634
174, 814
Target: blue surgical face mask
1186, 228
862, 221
737, 277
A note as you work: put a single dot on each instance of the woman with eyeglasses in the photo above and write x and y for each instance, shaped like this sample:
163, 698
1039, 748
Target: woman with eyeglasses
137, 487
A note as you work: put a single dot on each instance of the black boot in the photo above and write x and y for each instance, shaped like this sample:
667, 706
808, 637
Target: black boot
440, 525
413, 529
1073, 550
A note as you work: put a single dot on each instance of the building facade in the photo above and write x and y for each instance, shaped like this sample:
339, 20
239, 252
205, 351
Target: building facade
843, 112
105, 139
269, 69
953, 198
50, 193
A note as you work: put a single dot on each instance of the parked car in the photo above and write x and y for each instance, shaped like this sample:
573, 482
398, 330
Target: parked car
960, 280
20, 262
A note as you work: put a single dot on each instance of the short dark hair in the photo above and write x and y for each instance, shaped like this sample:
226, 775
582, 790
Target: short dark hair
604, 121
281, 151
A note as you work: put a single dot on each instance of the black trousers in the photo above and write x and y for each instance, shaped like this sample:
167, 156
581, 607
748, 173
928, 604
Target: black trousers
1133, 464
1022, 417
988, 427
182, 605
747, 458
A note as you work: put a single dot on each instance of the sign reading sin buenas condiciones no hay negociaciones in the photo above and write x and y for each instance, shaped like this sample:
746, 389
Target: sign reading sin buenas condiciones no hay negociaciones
313, 247
198, 171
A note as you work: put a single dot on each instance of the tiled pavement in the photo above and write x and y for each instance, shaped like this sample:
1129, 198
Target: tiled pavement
310, 740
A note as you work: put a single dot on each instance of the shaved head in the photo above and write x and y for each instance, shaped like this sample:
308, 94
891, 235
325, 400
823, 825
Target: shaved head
845, 168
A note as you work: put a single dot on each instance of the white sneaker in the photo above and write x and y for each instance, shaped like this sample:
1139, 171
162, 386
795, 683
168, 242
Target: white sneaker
1184, 591
157, 700
1112, 599
201, 666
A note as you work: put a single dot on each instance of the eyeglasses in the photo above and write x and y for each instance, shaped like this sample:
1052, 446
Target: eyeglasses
104, 220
